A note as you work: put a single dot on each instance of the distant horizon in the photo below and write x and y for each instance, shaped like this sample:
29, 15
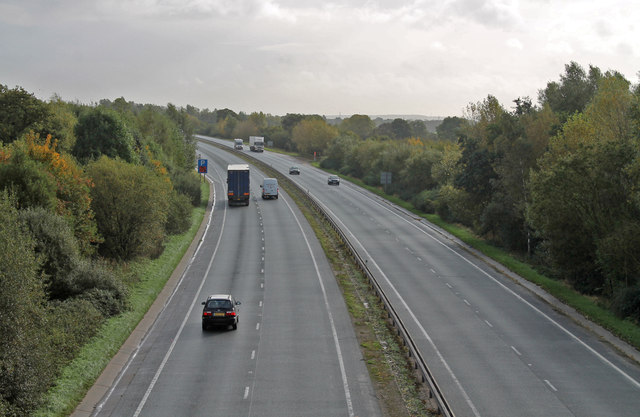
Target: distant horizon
352, 57
390, 116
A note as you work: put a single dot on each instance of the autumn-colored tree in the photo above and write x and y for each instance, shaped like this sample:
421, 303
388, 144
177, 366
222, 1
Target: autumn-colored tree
72, 189
313, 136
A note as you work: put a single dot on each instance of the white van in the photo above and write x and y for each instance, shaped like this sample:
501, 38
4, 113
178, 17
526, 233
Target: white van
269, 188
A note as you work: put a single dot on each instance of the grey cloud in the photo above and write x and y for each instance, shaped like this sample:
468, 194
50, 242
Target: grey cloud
488, 13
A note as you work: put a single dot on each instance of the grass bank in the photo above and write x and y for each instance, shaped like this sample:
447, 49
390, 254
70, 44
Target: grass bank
150, 278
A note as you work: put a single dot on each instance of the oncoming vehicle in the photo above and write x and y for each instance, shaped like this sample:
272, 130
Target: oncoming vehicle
237, 144
294, 171
220, 310
333, 180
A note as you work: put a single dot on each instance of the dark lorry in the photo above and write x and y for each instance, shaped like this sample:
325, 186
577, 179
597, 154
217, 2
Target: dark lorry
238, 184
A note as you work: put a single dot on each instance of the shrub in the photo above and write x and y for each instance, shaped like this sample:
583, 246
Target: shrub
25, 368
131, 205
71, 324
425, 201
94, 282
179, 218
55, 244
188, 183
626, 303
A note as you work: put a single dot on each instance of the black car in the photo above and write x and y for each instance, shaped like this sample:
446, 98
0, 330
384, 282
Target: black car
220, 310
294, 171
333, 180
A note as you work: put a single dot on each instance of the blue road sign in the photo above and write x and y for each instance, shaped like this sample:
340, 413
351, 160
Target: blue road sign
202, 166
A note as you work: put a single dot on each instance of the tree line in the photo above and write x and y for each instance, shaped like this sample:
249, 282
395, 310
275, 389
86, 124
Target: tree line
556, 183
84, 190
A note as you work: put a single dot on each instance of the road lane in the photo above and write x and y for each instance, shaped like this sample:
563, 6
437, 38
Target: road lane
285, 358
496, 348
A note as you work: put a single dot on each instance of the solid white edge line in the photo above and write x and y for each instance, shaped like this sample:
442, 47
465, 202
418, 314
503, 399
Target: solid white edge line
184, 321
334, 332
537, 310
414, 318
101, 404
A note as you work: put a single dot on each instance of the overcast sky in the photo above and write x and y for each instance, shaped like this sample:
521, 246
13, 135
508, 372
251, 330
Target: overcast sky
344, 57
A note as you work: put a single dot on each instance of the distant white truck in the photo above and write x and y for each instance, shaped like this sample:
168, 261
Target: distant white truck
256, 143
237, 144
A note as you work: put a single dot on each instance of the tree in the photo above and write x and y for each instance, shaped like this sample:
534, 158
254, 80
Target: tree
60, 124
418, 129
20, 111
582, 201
361, 125
573, 92
245, 129
102, 132
131, 205
71, 190
313, 136
290, 120
336, 154
24, 371
28, 180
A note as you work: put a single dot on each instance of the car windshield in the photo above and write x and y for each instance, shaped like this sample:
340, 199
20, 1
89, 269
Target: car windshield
219, 304
333, 177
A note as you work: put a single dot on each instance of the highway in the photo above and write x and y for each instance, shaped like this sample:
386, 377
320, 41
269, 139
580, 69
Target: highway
294, 353
495, 348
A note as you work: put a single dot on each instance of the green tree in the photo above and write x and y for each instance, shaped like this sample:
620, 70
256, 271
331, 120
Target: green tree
131, 205
574, 91
290, 120
60, 124
25, 371
28, 180
449, 128
418, 129
360, 124
582, 196
336, 154
102, 132
20, 111
55, 245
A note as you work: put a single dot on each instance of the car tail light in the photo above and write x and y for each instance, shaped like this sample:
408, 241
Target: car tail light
231, 313
206, 313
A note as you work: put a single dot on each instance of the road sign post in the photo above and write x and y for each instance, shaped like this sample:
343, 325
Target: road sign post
202, 166
385, 179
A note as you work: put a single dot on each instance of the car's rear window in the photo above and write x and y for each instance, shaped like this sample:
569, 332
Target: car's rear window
219, 304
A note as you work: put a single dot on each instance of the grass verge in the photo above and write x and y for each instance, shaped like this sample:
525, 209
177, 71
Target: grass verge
152, 275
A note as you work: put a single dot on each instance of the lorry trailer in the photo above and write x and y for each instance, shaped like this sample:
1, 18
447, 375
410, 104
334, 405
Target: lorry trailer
238, 193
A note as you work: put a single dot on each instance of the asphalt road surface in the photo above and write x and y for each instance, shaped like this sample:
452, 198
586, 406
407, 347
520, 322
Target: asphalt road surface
495, 348
294, 352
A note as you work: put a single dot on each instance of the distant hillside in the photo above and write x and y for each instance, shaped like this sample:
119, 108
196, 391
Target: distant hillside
431, 122
390, 116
